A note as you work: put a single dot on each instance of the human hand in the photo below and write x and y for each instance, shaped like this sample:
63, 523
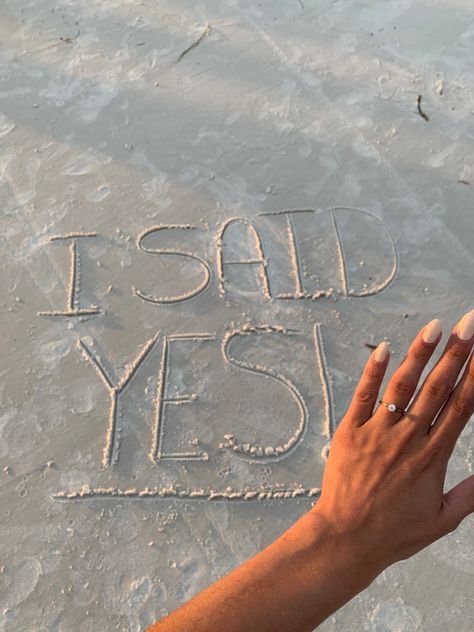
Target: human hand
382, 499
383, 486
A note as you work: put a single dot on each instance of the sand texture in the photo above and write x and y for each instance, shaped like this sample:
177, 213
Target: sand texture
209, 210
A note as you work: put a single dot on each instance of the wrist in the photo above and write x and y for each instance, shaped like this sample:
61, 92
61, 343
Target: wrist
349, 554
320, 569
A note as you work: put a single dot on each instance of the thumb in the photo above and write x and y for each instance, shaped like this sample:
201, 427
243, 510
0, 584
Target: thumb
458, 503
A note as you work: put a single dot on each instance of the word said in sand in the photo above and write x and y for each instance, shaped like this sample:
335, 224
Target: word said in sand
262, 264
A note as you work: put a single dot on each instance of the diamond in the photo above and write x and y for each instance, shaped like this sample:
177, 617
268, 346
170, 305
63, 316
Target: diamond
392, 408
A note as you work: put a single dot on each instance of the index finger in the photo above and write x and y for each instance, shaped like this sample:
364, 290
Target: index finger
365, 395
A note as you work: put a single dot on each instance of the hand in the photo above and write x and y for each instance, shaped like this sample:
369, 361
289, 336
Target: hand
383, 486
382, 499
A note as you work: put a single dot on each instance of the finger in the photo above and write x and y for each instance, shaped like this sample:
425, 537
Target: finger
404, 381
458, 503
456, 412
366, 393
441, 380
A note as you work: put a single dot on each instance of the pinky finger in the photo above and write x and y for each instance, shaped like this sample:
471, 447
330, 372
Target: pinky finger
367, 391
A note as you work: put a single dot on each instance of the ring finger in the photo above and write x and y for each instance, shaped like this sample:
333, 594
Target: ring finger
404, 381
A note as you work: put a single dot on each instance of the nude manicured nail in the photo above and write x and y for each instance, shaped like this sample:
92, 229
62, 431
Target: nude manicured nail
381, 352
432, 331
465, 327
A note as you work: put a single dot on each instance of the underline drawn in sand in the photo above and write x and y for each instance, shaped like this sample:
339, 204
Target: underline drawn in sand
111, 449
73, 295
171, 252
90, 493
258, 451
163, 400
259, 260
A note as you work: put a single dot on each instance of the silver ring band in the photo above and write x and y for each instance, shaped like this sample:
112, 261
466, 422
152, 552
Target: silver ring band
392, 407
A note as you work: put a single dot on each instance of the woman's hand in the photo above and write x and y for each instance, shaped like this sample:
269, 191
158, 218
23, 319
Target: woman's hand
383, 486
382, 499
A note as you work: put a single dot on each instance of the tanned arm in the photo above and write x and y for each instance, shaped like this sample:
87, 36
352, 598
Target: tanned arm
382, 498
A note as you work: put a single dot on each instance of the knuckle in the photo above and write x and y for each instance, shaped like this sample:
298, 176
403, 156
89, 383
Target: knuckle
373, 372
410, 429
419, 352
463, 406
439, 389
413, 420
364, 396
457, 352
403, 385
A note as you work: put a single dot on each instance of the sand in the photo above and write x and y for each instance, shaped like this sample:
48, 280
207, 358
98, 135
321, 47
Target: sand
209, 210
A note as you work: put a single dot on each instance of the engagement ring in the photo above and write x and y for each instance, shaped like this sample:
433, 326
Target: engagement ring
392, 407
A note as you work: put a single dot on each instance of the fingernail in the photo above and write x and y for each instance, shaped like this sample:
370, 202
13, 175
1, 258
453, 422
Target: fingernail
432, 331
381, 352
465, 327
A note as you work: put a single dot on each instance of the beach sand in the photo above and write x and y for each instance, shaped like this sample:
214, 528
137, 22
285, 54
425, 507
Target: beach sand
210, 211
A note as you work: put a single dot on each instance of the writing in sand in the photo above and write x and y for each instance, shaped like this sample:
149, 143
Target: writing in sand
237, 244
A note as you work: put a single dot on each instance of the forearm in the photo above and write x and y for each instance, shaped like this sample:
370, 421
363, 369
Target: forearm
291, 586
382, 498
